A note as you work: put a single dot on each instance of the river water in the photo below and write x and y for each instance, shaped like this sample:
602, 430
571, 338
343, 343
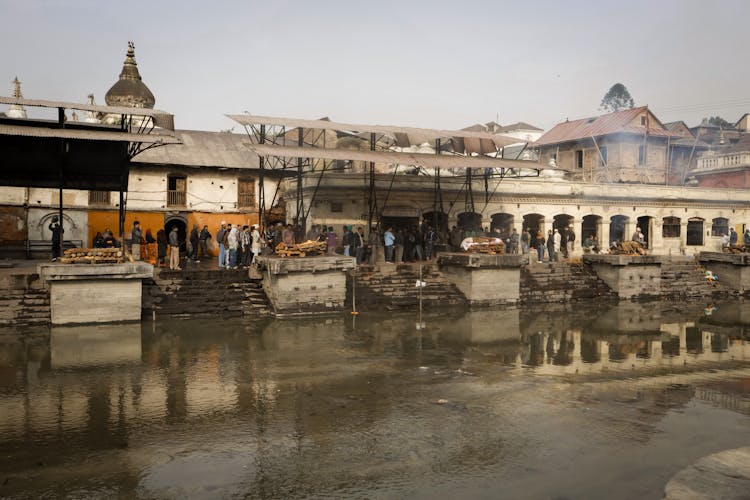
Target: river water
577, 401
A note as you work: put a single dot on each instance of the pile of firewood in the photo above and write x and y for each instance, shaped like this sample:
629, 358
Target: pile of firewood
92, 256
303, 249
481, 244
737, 249
627, 248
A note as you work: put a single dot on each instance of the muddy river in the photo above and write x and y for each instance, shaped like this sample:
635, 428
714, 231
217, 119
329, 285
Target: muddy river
576, 401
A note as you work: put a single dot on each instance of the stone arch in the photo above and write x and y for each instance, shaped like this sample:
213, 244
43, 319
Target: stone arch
591, 226
646, 224
694, 236
470, 221
533, 222
502, 223
181, 222
617, 224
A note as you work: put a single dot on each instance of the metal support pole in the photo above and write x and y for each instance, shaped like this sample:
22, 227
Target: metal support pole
61, 122
261, 187
371, 200
300, 202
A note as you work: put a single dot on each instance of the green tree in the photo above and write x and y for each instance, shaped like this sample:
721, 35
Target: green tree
616, 98
718, 121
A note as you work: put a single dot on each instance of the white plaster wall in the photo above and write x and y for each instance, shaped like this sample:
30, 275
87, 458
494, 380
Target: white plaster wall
75, 224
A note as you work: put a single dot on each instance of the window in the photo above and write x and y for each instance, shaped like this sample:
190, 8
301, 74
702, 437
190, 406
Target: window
670, 227
603, 158
245, 193
579, 158
641, 155
176, 191
644, 120
98, 197
694, 232
719, 226
337, 206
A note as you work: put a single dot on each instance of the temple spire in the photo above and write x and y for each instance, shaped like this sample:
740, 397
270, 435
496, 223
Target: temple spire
16, 110
129, 90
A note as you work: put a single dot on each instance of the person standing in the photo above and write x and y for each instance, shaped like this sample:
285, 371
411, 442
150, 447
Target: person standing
358, 240
150, 247
233, 242
246, 239
56, 238
571, 240
346, 240
513, 239
398, 246
540, 245
135, 241
564, 242
550, 246
430, 240
373, 242
746, 238
557, 239
732, 237
204, 237
174, 249
287, 236
220, 240
256, 242
161, 245
389, 239
194, 239
525, 241
332, 241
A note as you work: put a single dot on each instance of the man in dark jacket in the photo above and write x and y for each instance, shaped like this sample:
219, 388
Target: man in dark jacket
204, 237
56, 238
174, 249
135, 241
194, 238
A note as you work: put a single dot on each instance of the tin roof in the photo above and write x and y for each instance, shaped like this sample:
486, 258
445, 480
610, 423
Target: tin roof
203, 149
625, 121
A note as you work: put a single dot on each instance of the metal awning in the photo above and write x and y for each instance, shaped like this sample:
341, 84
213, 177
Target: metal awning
161, 119
389, 130
90, 135
394, 158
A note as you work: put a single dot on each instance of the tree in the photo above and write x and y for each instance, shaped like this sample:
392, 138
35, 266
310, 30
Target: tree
718, 121
616, 98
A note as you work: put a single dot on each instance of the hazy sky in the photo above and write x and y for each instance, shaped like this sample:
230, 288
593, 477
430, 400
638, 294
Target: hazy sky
419, 63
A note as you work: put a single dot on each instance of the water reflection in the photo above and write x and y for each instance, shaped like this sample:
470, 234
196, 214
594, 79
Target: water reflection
263, 392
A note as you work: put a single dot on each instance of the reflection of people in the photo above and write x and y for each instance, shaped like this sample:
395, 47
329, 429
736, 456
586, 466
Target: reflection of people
56, 237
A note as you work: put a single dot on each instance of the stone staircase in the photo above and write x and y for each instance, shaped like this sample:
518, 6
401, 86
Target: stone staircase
685, 277
393, 287
561, 282
203, 293
24, 302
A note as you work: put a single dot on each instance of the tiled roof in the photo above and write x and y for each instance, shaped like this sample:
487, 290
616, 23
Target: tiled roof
612, 123
517, 126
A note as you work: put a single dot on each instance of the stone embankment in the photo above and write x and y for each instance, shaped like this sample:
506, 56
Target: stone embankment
203, 293
23, 300
395, 287
684, 277
561, 282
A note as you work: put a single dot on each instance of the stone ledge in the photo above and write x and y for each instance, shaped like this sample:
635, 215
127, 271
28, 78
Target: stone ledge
479, 260
738, 259
624, 260
286, 265
77, 272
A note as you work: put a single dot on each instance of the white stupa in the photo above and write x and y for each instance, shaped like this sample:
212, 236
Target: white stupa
16, 110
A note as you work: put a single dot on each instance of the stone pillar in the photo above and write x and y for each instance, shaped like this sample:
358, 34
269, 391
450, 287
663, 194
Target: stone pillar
630, 226
604, 233
656, 241
683, 235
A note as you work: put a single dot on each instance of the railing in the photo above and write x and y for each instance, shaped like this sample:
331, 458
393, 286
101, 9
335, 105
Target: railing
723, 161
246, 200
176, 198
98, 197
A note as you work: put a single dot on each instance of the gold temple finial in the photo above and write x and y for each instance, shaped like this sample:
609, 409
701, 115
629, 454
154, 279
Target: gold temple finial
17, 88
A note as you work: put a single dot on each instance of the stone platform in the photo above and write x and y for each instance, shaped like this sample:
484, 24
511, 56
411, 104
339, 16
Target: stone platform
630, 276
722, 475
485, 280
94, 293
733, 269
305, 285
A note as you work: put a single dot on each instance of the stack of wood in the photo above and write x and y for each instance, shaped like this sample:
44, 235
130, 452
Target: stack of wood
92, 256
627, 248
737, 249
482, 244
303, 249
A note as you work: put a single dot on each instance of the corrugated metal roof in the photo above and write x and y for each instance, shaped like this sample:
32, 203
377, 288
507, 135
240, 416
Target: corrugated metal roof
203, 149
392, 157
498, 140
92, 135
611, 123
161, 118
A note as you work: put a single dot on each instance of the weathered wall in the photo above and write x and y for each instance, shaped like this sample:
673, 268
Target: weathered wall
486, 287
632, 280
95, 301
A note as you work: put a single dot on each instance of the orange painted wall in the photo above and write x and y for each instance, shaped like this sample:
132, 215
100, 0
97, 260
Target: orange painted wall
101, 220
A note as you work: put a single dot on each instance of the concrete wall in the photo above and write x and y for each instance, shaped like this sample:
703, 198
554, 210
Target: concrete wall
486, 287
95, 301
632, 279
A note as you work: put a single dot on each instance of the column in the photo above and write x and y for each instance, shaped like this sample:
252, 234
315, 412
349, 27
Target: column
683, 235
657, 243
603, 232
